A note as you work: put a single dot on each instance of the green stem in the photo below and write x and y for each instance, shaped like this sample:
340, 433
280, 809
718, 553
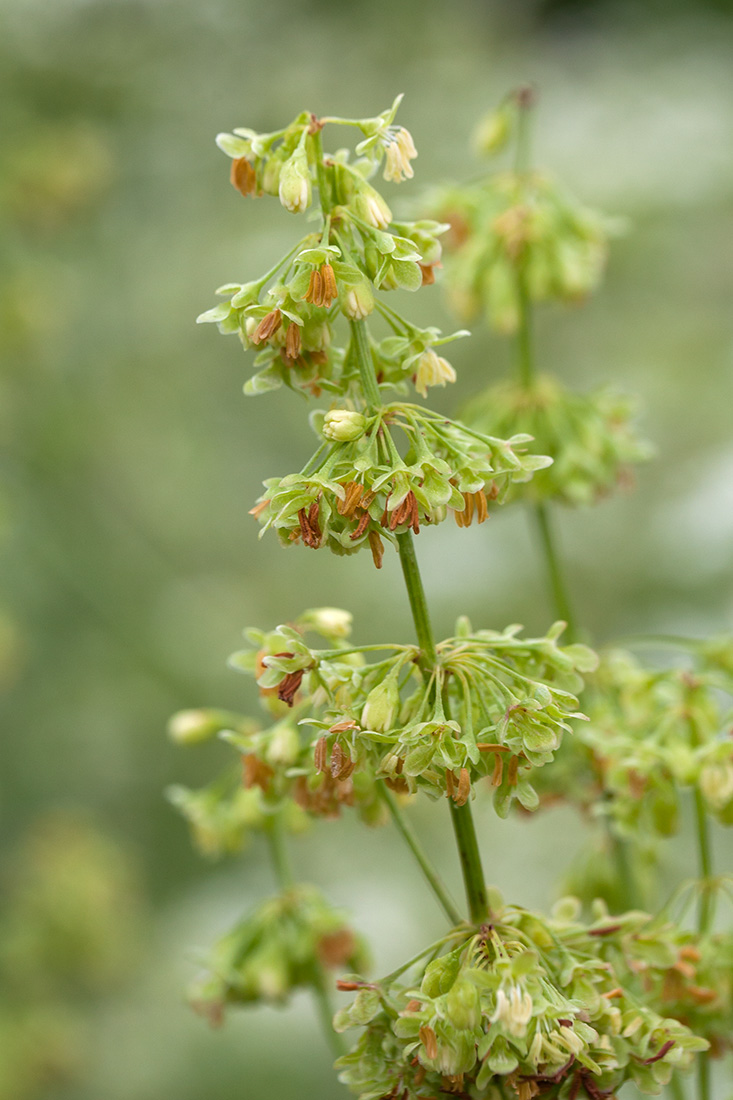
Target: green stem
324, 191
325, 1010
410, 837
705, 865
676, 1088
560, 597
468, 850
416, 596
279, 855
282, 866
704, 918
365, 360
461, 817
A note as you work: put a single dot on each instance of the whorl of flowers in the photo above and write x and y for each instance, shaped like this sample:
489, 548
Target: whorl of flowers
284, 945
589, 436
524, 1006
651, 734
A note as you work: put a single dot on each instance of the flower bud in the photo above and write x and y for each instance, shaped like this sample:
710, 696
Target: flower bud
332, 622
381, 706
284, 745
463, 1005
716, 784
344, 425
189, 727
371, 208
493, 131
358, 302
294, 187
432, 370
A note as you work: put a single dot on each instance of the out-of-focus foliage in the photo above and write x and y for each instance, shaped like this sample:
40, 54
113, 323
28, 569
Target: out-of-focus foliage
129, 456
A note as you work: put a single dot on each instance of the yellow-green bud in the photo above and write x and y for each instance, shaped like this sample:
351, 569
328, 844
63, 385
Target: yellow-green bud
432, 370
492, 132
189, 727
332, 622
382, 704
371, 208
344, 425
294, 187
358, 301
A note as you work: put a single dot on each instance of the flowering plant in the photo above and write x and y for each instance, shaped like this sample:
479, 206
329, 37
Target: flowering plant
509, 1003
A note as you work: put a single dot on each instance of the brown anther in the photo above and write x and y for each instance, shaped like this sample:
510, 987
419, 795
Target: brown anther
429, 1041
419, 1075
242, 176
464, 788
687, 970
267, 327
492, 491
352, 495
289, 685
320, 755
314, 293
348, 987
450, 783
482, 508
414, 513
611, 993
341, 763
292, 341
690, 952
512, 771
491, 746
336, 948
701, 994
428, 274
377, 548
360, 527
660, 1053
344, 724
330, 289
413, 1006
316, 125
255, 773
498, 773
607, 931
258, 508
309, 526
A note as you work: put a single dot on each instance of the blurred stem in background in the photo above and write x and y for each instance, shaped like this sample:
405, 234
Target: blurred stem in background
555, 574
283, 871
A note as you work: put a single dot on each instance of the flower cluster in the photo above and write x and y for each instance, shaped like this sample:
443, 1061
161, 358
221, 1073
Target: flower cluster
523, 1007
589, 436
519, 222
359, 488
284, 945
495, 706
651, 734
288, 315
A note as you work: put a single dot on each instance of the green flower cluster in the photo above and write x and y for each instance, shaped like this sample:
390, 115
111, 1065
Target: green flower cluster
589, 436
519, 222
284, 945
523, 1007
652, 733
495, 706
288, 315
358, 487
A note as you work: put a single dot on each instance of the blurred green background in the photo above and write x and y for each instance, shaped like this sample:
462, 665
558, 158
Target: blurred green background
130, 458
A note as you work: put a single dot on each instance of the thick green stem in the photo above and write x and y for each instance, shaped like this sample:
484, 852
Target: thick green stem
462, 818
416, 596
468, 850
558, 588
410, 837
